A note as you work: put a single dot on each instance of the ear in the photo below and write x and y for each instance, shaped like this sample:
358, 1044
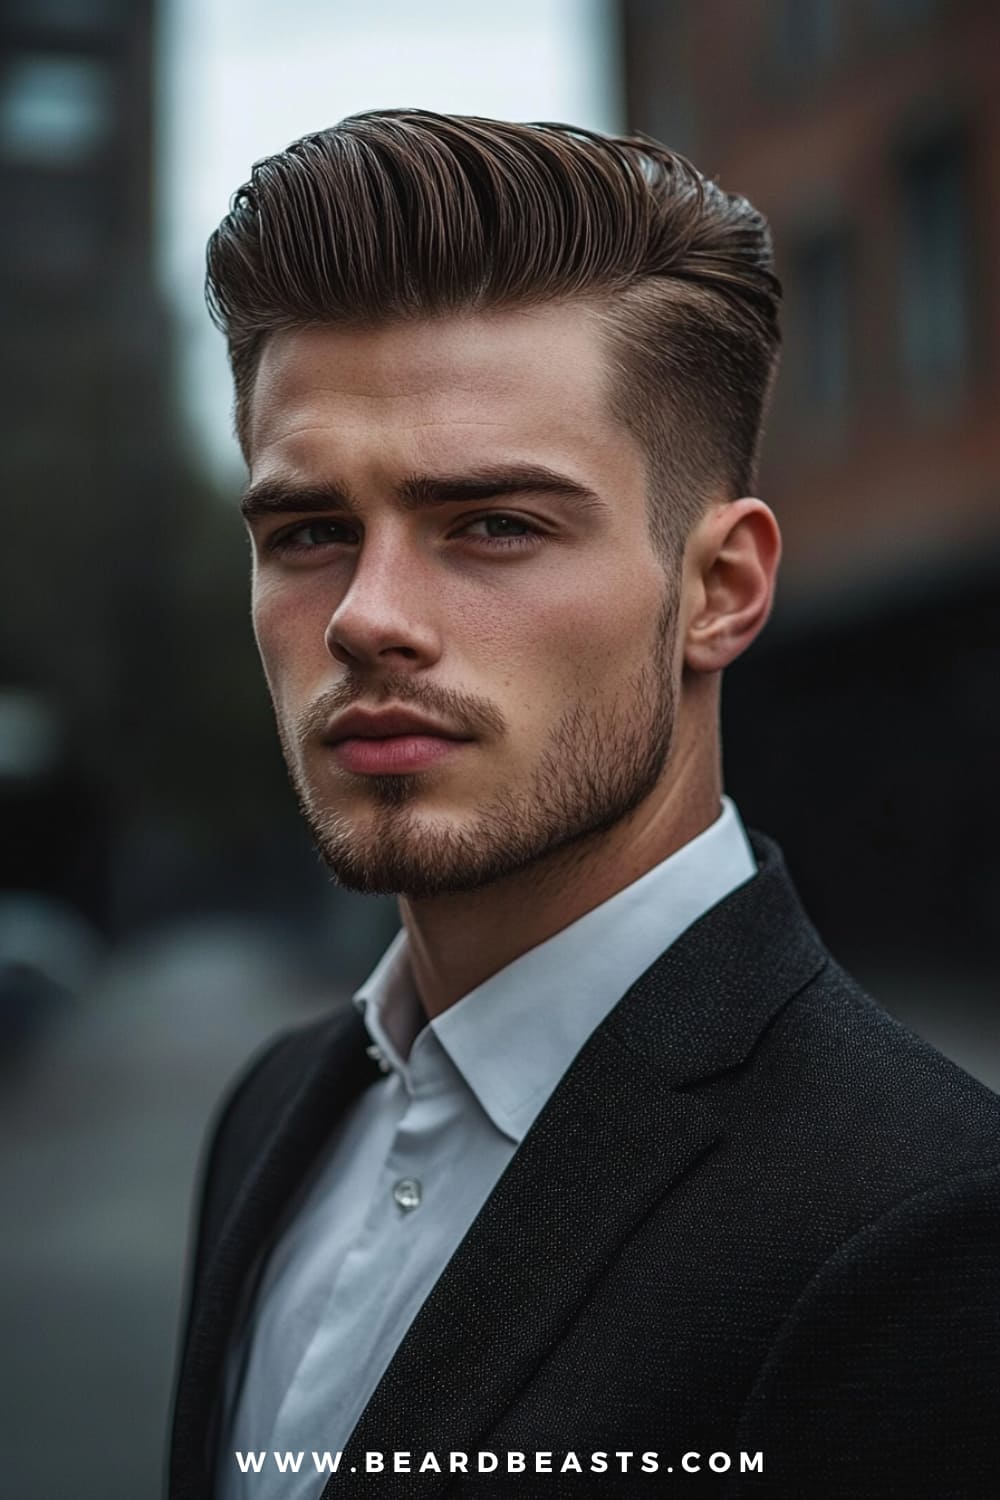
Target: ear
730, 564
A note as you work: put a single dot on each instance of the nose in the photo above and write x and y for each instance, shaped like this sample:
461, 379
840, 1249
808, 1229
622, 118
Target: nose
384, 618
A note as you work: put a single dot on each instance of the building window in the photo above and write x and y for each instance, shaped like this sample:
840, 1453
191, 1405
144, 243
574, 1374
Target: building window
820, 288
55, 111
935, 282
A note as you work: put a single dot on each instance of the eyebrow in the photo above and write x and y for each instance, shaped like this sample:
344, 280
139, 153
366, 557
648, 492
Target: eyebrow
271, 497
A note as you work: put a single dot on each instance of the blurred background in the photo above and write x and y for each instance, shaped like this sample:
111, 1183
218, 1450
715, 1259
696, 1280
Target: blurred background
161, 911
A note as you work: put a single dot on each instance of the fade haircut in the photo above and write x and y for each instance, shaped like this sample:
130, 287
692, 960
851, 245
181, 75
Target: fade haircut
403, 214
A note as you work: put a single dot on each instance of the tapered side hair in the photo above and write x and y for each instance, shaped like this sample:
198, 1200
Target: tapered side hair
402, 214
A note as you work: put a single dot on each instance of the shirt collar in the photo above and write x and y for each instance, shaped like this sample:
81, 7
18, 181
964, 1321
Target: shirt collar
390, 1007
513, 1037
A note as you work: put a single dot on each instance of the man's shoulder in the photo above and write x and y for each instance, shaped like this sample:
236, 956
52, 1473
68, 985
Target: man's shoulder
259, 1099
279, 1064
275, 1071
820, 1092
884, 1180
860, 1093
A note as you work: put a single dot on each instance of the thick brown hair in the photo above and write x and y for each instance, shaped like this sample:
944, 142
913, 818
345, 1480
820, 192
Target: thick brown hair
401, 214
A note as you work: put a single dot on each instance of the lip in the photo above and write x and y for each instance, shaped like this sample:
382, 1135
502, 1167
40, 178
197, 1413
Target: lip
383, 723
396, 754
391, 741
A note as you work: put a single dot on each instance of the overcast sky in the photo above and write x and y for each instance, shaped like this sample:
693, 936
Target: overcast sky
240, 79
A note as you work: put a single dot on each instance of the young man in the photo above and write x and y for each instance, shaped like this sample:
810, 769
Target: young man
610, 1177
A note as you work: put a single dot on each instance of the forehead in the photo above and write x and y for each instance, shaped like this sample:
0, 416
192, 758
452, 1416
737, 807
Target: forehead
530, 382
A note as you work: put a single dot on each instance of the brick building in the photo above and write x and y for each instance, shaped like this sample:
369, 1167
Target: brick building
864, 728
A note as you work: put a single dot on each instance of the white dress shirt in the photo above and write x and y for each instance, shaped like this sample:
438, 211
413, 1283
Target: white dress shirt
410, 1166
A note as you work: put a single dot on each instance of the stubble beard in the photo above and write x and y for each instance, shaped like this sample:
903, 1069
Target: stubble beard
600, 763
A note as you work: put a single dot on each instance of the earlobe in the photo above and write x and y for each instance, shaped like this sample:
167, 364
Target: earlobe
736, 554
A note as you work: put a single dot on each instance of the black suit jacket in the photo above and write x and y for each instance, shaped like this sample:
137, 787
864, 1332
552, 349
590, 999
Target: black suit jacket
756, 1215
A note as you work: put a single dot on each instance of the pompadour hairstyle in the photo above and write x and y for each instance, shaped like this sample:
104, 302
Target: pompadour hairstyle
405, 214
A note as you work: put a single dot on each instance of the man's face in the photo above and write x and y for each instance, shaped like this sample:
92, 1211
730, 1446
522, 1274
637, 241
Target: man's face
447, 521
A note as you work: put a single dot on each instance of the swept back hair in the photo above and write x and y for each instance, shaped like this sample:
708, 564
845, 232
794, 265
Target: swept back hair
403, 214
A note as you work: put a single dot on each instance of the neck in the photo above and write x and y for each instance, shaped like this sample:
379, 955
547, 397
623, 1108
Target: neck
457, 941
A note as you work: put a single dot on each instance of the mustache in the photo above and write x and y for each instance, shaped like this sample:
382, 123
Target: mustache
464, 713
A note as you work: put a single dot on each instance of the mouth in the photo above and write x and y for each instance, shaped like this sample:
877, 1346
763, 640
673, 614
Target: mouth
393, 754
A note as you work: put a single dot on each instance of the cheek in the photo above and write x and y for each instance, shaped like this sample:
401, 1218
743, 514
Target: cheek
290, 629
575, 633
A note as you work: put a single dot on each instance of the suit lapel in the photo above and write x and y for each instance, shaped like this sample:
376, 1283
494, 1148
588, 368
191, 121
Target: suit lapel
593, 1164
612, 1139
336, 1068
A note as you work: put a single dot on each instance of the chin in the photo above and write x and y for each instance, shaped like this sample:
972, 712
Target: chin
390, 849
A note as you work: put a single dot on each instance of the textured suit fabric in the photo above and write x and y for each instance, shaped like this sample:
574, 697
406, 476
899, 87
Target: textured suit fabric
756, 1214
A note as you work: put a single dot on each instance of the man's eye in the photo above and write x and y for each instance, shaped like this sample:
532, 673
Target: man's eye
496, 528
310, 535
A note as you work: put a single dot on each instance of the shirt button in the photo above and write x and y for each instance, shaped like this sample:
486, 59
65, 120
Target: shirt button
407, 1194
